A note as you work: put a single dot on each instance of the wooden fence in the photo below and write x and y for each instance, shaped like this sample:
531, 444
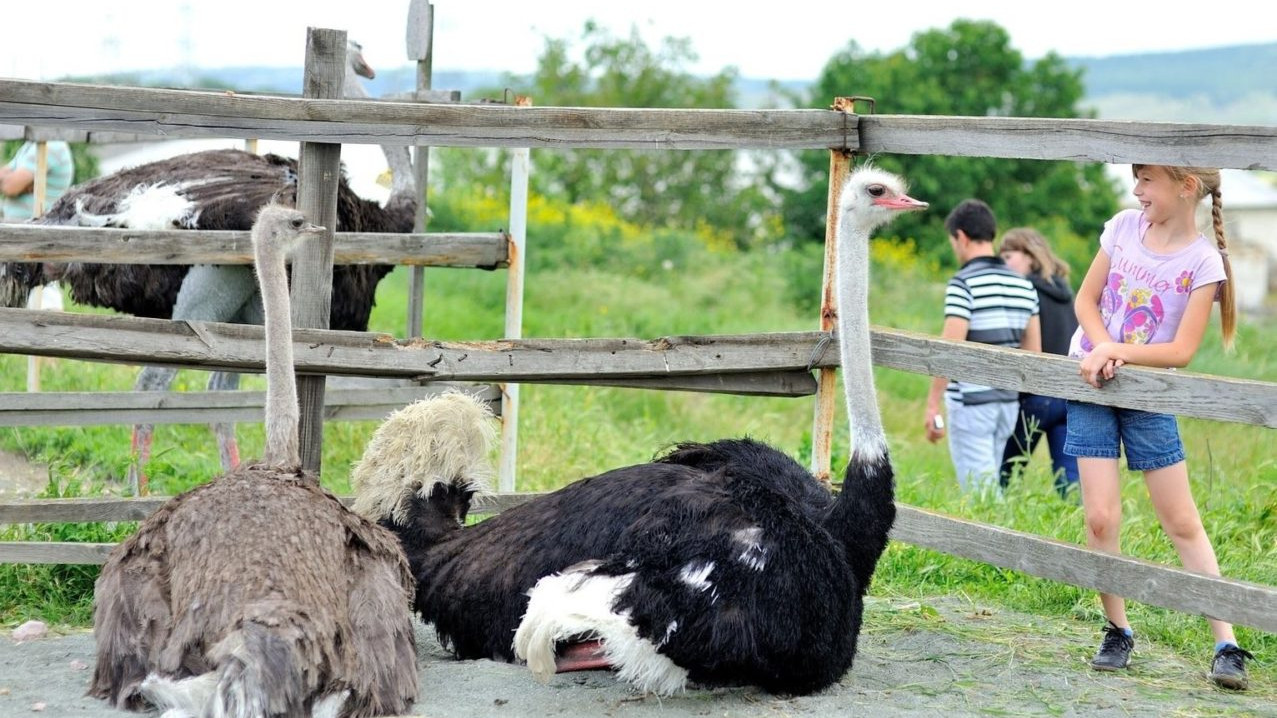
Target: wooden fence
779, 363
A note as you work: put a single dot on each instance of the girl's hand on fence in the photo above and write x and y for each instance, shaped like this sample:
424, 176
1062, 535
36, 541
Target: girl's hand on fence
1098, 366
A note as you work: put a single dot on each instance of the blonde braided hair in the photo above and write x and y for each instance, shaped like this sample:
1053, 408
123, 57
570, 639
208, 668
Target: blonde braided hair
1207, 182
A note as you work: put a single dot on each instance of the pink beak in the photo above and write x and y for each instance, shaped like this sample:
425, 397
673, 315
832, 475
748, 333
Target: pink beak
904, 203
362, 68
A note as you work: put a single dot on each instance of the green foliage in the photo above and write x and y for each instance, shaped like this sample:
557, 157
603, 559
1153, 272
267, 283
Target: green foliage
655, 188
967, 69
54, 593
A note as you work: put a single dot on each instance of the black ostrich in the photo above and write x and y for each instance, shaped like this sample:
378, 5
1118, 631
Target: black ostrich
717, 563
212, 190
258, 593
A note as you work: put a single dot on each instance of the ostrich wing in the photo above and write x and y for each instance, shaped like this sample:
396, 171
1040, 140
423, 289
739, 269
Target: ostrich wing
384, 674
132, 620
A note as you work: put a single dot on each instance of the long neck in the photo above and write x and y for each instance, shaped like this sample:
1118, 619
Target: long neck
865, 509
403, 183
282, 414
868, 442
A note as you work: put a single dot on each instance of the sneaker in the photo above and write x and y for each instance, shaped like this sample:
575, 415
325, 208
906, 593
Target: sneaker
1115, 649
1228, 670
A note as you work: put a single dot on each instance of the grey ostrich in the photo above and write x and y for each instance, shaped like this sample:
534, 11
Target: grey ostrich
718, 563
216, 189
258, 593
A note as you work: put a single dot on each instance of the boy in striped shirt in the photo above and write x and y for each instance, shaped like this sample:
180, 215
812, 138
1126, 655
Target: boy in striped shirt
989, 303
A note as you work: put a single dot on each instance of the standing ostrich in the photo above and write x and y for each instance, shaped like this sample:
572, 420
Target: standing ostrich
212, 190
718, 563
258, 594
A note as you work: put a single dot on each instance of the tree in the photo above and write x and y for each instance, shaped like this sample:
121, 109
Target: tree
967, 69
657, 188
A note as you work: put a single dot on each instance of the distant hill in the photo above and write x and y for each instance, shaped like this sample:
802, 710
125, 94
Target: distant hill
1230, 85
1227, 85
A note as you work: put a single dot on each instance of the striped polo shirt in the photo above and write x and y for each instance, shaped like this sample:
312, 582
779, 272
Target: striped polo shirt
998, 303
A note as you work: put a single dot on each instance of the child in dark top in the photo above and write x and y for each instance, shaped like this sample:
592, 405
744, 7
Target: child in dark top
1027, 252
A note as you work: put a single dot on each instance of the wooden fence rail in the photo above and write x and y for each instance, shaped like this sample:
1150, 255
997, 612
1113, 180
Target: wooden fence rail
158, 407
46, 243
210, 345
185, 113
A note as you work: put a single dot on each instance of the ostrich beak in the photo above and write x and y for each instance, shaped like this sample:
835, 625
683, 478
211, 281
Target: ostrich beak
313, 229
362, 68
902, 202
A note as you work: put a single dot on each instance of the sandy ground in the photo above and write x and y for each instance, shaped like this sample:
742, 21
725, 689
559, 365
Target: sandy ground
943, 659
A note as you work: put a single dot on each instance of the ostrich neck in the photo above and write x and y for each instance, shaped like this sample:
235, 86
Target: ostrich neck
282, 413
398, 157
868, 442
403, 183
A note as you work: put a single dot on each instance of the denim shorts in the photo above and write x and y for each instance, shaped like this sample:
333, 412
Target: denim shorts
1151, 440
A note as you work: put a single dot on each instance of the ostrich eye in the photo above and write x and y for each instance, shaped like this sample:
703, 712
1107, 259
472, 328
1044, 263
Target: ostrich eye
297, 223
876, 190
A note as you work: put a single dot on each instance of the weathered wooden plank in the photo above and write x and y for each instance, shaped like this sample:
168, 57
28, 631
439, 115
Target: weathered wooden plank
763, 383
425, 95
1241, 146
113, 508
155, 407
52, 552
206, 345
1168, 391
187, 113
20, 132
33, 242
1225, 599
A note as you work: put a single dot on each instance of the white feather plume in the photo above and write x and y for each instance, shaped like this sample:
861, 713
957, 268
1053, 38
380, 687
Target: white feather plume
444, 439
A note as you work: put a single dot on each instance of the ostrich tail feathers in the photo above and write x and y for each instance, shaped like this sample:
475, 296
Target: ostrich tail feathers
17, 279
269, 665
444, 439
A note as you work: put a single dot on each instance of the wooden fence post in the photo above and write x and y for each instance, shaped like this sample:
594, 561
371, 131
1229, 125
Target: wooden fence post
40, 191
420, 43
520, 168
822, 428
318, 169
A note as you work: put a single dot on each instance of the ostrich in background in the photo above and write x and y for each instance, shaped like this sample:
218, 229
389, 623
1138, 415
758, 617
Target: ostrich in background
212, 190
258, 594
717, 563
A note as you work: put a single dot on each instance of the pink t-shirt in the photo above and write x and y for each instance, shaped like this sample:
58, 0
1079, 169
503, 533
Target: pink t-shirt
1146, 292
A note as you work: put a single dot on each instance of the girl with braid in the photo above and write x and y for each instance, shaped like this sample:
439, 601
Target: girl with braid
1146, 300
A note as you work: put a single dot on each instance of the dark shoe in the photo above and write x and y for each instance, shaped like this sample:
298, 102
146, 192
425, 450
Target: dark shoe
1228, 670
1115, 649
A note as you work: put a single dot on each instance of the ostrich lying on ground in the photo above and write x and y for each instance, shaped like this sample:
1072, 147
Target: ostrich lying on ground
213, 190
718, 563
258, 594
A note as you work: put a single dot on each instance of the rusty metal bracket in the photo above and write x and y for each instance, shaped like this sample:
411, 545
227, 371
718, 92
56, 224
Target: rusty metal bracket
847, 106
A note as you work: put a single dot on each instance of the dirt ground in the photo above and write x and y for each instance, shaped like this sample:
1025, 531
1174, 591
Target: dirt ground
942, 658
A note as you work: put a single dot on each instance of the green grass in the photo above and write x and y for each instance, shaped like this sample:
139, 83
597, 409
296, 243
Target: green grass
569, 432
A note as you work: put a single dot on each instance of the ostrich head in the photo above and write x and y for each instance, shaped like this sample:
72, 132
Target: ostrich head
355, 55
872, 198
280, 229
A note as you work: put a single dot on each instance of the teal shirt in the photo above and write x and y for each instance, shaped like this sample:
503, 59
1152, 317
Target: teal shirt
60, 171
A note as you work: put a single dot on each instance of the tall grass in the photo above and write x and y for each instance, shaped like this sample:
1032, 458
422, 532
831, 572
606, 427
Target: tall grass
568, 432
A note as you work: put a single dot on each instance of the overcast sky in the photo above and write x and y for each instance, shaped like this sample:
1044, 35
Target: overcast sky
789, 39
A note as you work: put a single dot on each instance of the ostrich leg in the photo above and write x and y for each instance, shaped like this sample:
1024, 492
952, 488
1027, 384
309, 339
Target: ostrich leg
210, 293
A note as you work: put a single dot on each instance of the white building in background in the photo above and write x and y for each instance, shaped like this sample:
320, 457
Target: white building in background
1250, 222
